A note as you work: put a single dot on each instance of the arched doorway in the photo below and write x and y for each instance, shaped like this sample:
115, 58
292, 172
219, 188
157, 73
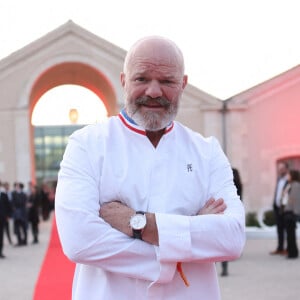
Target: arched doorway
64, 115
57, 114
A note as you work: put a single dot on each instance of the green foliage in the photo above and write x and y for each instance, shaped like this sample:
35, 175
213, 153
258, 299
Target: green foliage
251, 219
269, 218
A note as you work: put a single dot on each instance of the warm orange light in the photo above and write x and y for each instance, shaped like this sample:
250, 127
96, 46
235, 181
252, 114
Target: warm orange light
73, 115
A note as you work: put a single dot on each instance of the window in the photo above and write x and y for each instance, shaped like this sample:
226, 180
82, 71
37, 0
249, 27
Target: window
50, 143
293, 162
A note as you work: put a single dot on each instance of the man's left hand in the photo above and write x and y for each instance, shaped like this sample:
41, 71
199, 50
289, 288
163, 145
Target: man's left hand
117, 215
213, 206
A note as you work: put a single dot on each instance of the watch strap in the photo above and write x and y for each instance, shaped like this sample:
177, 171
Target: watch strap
137, 234
140, 212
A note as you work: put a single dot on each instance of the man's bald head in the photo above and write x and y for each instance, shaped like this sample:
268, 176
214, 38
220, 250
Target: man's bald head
150, 46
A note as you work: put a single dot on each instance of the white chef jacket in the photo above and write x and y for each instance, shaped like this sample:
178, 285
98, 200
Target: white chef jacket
115, 160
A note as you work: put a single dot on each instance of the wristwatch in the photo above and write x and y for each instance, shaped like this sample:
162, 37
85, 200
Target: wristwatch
138, 223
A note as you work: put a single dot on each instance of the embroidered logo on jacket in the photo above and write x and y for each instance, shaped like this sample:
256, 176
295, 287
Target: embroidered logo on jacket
189, 167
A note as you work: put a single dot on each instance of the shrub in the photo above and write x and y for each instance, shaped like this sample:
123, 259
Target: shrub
269, 218
251, 219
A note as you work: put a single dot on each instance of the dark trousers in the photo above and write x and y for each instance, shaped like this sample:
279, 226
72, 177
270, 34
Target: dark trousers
224, 267
35, 231
7, 231
21, 231
279, 219
290, 225
2, 224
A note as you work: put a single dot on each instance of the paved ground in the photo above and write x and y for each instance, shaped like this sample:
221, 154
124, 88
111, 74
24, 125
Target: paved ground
256, 275
260, 276
20, 269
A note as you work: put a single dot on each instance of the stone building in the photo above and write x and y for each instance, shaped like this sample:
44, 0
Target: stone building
257, 128
262, 129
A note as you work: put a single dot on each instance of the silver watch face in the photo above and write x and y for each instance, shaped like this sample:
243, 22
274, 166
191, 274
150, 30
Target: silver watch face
138, 221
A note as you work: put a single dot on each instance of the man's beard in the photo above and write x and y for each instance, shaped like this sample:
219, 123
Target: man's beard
151, 120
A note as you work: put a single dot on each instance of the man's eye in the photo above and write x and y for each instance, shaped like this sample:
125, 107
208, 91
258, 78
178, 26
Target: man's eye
167, 81
140, 79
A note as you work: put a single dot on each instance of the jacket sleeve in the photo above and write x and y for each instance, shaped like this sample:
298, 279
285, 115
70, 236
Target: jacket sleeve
85, 237
206, 237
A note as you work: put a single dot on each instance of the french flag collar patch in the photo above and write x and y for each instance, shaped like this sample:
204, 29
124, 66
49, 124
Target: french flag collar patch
129, 123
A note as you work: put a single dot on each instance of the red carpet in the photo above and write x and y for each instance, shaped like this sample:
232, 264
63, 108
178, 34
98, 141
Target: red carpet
56, 274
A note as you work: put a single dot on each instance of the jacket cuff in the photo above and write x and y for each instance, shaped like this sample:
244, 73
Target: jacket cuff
174, 238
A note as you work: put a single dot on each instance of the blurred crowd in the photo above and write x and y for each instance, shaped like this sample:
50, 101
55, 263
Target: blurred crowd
21, 210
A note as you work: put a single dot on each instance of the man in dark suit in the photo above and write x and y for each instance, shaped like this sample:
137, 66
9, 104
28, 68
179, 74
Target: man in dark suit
19, 204
282, 171
4, 215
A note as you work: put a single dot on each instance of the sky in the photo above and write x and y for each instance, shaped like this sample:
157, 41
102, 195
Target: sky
229, 45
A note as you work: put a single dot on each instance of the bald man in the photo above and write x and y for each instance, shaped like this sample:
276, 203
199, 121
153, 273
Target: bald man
144, 205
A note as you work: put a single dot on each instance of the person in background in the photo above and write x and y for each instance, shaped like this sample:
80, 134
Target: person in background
144, 205
291, 208
33, 212
238, 182
282, 173
239, 188
19, 213
45, 202
51, 196
4, 215
7, 191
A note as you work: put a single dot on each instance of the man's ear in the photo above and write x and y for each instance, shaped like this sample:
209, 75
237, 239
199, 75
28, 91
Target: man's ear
122, 78
184, 81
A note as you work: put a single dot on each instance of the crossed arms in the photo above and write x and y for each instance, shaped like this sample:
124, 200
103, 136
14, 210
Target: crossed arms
118, 215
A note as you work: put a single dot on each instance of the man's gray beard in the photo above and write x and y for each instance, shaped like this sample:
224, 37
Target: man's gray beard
152, 121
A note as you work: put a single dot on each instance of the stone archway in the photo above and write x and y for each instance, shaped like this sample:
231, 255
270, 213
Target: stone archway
78, 74
74, 73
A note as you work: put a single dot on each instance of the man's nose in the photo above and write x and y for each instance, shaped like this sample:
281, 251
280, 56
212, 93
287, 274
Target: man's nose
154, 89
